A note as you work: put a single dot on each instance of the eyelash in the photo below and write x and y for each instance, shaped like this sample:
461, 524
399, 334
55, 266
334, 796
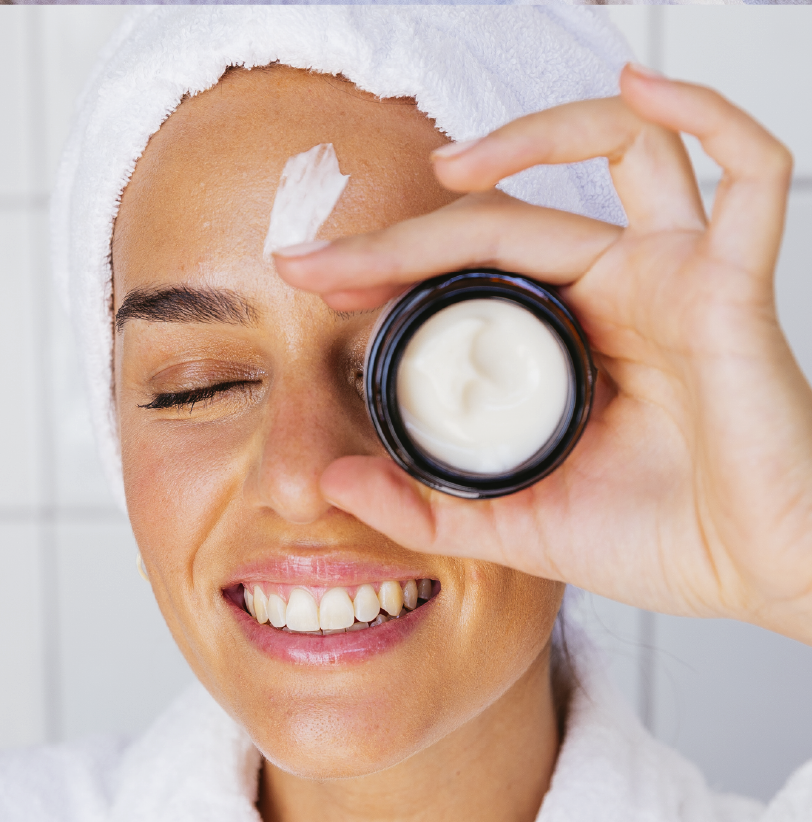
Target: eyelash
181, 399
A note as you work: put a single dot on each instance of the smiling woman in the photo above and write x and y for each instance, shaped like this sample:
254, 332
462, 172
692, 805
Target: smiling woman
367, 648
234, 392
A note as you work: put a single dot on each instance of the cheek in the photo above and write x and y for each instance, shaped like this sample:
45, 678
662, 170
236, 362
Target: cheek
178, 481
178, 478
508, 618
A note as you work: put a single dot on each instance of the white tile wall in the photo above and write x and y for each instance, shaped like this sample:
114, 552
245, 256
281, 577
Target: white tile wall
22, 661
735, 699
732, 697
19, 443
14, 105
106, 661
758, 57
794, 279
118, 663
71, 38
78, 481
639, 27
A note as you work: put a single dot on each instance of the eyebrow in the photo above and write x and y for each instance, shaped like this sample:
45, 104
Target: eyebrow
186, 304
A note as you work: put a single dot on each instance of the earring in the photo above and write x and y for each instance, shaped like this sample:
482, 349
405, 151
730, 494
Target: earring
141, 567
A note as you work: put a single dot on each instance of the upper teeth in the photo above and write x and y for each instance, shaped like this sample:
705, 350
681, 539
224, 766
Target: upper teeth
366, 604
336, 611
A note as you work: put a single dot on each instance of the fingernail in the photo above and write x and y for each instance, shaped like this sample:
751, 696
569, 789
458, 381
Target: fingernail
453, 149
302, 249
645, 71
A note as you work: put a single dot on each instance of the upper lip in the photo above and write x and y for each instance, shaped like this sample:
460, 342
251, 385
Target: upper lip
330, 568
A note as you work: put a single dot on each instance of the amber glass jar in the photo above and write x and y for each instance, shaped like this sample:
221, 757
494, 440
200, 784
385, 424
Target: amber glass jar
392, 334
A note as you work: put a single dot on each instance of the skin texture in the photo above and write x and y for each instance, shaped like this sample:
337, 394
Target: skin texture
455, 722
691, 490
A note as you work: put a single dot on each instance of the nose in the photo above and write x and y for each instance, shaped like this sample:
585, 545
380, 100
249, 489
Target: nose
309, 423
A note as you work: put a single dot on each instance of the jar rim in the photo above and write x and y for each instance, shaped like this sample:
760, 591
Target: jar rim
397, 325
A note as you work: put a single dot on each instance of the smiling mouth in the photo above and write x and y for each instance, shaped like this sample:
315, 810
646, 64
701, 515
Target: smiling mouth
322, 612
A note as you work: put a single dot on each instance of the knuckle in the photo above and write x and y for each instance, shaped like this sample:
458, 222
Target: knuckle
777, 160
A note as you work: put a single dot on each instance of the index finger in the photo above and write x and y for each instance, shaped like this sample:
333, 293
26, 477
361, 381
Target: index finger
491, 230
648, 163
748, 211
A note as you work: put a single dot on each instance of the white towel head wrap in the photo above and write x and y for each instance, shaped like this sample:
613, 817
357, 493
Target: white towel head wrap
471, 69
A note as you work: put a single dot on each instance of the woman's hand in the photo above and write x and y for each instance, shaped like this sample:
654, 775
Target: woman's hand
691, 489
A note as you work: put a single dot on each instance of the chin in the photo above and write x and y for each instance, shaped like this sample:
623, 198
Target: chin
328, 745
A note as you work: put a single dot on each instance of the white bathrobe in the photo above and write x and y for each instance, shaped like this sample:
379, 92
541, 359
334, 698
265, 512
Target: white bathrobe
195, 764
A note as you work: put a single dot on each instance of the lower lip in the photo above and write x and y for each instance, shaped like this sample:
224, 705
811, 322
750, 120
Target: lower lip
332, 650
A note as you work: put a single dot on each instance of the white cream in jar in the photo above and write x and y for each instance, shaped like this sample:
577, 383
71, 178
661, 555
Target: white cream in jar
478, 382
483, 385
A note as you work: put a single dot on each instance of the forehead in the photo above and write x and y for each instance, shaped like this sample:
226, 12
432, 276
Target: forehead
199, 200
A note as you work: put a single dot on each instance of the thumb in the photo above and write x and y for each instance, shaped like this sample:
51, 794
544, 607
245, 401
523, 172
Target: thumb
384, 497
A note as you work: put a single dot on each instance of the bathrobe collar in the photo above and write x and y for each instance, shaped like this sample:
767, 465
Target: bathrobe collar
196, 763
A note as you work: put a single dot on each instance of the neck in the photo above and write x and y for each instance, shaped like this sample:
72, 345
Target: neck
496, 766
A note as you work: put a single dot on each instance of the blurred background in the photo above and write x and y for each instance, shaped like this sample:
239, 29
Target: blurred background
83, 648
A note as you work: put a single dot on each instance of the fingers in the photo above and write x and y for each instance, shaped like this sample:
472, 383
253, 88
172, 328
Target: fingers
648, 163
488, 229
651, 171
377, 492
748, 213
381, 495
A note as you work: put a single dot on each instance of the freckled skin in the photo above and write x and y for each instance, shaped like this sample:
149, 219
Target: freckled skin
458, 719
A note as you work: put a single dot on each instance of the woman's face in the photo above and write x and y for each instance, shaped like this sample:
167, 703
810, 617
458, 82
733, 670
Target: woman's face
223, 492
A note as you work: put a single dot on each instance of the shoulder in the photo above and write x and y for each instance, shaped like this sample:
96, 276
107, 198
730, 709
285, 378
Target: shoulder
610, 767
793, 803
193, 763
67, 783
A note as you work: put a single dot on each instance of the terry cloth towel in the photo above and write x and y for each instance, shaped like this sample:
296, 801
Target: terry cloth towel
471, 69
195, 764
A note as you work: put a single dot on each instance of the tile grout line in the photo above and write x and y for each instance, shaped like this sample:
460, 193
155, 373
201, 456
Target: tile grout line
646, 620
46, 532
656, 37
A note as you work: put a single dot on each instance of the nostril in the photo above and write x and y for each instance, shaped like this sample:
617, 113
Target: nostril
286, 478
297, 500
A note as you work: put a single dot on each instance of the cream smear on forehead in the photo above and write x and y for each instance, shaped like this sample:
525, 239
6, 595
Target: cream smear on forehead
309, 188
483, 385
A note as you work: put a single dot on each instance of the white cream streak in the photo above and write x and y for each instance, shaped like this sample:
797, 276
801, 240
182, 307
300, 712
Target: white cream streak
310, 186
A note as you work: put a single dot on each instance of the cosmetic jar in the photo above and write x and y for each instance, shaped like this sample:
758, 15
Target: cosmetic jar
478, 382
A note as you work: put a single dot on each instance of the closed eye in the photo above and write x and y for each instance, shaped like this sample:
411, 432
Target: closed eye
183, 399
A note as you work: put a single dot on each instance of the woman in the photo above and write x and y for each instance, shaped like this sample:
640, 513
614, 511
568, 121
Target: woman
249, 467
